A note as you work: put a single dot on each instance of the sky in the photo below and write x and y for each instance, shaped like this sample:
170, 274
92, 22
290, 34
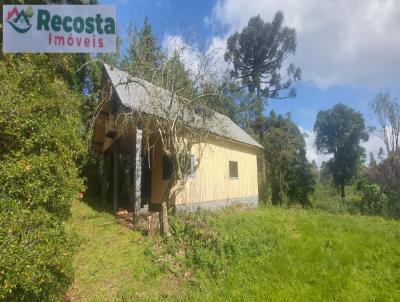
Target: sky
348, 50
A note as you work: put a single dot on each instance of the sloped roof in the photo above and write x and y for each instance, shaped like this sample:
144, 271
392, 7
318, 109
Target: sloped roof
134, 94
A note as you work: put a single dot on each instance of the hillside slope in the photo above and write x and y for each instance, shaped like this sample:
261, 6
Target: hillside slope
278, 255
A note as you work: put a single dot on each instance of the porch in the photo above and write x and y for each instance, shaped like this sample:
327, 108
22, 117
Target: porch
133, 179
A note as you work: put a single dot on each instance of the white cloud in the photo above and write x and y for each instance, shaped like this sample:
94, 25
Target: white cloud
311, 149
209, 60
190, 54
373, 145
339, 42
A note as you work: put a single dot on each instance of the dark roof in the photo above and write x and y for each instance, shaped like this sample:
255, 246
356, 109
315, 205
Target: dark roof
134, 93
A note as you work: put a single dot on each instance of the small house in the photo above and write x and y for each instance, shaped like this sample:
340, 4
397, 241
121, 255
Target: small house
225, 176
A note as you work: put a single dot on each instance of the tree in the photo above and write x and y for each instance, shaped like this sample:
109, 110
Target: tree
387, 112
301, 179
143, 54
324, 173
339, 131
315, 169
284, 148
387, 172
226, 101
257, 54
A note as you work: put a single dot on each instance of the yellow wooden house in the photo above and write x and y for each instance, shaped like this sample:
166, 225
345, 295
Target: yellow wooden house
225, 176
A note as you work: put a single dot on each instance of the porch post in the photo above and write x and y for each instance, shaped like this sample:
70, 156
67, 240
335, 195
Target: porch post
103, 173
116, 176
137, 177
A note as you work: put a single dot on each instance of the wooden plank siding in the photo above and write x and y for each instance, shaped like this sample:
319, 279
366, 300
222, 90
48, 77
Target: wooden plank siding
211, 181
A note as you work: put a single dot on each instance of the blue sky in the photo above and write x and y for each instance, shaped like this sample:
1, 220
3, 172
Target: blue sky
348, 50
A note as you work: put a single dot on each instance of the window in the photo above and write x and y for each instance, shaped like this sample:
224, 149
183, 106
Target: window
233, 169
167, 168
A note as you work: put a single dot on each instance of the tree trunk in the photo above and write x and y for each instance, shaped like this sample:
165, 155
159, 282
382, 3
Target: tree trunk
343, 193
259, 118
164, 224
137, 176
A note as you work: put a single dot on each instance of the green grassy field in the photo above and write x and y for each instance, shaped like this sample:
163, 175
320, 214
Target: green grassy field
274, 254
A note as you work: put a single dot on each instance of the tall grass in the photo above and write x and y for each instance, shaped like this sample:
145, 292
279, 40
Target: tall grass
296, 255
327, 198
266, 254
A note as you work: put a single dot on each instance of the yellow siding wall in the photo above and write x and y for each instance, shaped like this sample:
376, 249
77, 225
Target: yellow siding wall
211, 181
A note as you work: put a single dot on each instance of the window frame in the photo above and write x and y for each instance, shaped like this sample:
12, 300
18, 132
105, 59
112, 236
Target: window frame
237, 169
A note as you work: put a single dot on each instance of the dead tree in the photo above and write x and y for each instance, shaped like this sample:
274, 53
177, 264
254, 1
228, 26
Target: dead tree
173, 112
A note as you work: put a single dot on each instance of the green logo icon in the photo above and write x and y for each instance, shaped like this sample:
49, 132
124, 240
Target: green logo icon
20, 20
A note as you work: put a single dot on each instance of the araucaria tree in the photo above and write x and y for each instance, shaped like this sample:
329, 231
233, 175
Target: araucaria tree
257, 54
339, 131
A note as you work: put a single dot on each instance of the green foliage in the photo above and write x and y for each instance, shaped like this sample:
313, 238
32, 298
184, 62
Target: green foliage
290, 174
325, 176
386, 174
143, 53
174, 71
225, 101
275, 254
114, 263
339, 132
36, 253
301, 180
200, 246
373, 200
41, 143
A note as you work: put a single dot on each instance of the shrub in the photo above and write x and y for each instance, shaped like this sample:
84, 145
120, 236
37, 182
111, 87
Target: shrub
196, 245
40, 181
394, 203
41, 142
373, 200
36, 254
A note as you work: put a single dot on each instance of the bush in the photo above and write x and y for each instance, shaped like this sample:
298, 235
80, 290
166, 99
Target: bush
36, 254
195, 245
41, 142
394, 203
40, 181
373, 200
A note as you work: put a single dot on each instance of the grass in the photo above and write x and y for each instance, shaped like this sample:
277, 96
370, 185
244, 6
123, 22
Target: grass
327, 198
112, 262
267, 254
